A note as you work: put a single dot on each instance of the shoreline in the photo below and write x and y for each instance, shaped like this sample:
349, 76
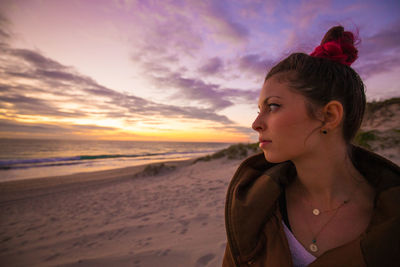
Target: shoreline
23, 188
27, 187
22, 159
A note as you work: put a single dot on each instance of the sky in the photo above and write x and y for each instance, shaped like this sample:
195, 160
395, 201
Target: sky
169, 70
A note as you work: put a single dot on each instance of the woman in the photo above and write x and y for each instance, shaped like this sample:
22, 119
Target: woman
312, 198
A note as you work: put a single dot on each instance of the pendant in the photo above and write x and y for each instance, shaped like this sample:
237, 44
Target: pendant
316, 212
313, 248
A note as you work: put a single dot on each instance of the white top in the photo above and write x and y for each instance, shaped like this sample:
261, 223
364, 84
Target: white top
300, 256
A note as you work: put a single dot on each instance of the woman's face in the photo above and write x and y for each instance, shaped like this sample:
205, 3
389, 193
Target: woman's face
286, 132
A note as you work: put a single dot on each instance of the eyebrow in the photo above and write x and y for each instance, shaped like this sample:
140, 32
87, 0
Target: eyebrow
266, 100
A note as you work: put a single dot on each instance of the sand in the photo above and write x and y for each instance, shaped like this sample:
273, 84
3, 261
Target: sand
117, 218
122, 217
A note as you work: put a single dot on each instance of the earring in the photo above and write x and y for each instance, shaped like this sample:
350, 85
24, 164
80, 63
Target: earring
324, 131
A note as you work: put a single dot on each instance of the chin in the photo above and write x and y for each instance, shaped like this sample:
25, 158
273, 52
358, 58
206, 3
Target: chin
270, 157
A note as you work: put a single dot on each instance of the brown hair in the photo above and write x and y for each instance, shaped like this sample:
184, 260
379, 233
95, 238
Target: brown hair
322, 80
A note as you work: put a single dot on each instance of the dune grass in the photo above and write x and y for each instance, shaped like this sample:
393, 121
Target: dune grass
155, 169
237, 151
377, 105
364, 138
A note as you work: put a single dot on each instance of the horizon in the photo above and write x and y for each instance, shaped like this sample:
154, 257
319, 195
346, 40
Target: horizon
114, 140
179, 71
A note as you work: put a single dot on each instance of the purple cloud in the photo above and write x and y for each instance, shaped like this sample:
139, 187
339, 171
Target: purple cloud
255, 64
217, 14
36, 59
213, 66
380, 52
205, 94
22, 99
4, 28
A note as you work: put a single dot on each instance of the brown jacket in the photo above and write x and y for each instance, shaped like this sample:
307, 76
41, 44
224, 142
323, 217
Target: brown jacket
253, 222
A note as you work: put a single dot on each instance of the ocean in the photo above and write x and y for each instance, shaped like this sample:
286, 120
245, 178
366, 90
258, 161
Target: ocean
31, 158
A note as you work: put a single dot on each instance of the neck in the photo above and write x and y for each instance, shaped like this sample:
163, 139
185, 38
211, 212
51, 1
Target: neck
327, 177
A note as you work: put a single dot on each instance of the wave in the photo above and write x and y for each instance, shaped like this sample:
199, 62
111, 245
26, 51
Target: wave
59, 161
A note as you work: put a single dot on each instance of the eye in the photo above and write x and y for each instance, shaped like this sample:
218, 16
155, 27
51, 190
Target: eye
273, 106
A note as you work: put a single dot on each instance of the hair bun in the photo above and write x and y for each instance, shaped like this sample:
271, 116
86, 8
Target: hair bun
337, 45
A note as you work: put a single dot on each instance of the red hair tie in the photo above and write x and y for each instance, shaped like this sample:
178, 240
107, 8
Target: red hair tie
340, 51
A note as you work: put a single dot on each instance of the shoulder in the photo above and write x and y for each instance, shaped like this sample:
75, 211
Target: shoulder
254, 190
380, 244
256, 169
251, 201
379, 171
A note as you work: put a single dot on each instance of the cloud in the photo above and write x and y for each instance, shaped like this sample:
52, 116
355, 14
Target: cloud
247, 131
5, 33
307, 12
30, 128
213, 66
193, 87
383, 41
197, 91
379, 52
186, 23
309, 21
221, 24
33, 106
259, 9
255, 64
175, 51
35, 59
44, 87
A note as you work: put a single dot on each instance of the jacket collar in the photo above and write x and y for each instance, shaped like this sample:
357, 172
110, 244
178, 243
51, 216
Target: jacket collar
257, 184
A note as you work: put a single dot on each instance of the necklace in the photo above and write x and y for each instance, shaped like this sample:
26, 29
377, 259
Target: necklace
313, 246
317, 211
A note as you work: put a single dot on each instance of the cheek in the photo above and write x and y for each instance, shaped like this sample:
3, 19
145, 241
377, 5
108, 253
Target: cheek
291, 124
288, 132
293, 130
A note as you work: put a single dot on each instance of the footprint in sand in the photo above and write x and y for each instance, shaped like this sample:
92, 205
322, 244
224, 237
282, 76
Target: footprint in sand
204, 260
184, 222
52, 257
165, 252
60, 233
5, 239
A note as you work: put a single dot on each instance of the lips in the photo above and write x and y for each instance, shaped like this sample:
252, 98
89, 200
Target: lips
264, 142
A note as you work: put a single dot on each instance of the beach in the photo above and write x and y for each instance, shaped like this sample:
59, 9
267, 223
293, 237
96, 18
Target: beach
171, 215
159, 214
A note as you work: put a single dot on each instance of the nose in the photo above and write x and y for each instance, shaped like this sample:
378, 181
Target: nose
258, 124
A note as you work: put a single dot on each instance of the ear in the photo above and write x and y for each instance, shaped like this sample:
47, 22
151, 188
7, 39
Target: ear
333, 115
